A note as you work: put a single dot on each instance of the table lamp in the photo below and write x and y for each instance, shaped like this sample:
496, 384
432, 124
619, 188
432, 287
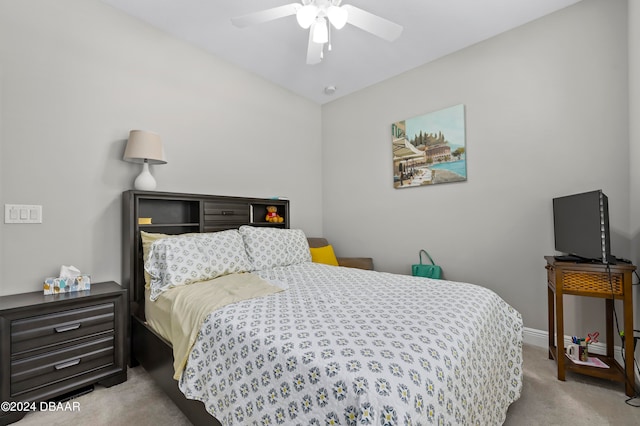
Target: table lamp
146, 148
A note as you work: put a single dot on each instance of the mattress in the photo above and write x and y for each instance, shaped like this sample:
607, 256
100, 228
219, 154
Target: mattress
158, 314
348, 346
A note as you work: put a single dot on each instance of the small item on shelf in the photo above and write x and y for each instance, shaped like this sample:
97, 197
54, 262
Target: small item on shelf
272, 215
67, 285
579, 349
583, 353
70, 280
591, 362
144, 221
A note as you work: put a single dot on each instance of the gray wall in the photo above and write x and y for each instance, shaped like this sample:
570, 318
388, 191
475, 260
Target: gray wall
546, 115
75, 77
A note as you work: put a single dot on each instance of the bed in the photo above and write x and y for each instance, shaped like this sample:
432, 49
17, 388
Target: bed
316, 344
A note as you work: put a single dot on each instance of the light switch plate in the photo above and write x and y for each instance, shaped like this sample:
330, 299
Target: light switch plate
22, 213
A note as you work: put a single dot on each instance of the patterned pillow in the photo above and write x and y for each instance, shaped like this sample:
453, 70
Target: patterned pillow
175, 261
147, 239
226, 252
269, 247
188, 258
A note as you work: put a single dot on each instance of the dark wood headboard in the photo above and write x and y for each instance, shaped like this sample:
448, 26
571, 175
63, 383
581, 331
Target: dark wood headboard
176, 213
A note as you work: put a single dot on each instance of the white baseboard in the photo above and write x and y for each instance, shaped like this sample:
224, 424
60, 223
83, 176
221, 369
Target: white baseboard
540, 338
535, 337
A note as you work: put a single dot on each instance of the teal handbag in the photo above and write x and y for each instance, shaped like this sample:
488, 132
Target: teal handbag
425, 270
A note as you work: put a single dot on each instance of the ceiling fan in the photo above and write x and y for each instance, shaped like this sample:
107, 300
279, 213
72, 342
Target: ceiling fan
316, 15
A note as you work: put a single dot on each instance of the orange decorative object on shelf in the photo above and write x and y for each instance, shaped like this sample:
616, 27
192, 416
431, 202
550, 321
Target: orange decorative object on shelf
272, 215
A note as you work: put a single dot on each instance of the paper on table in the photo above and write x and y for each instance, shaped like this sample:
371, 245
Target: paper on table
69, 271
592, 362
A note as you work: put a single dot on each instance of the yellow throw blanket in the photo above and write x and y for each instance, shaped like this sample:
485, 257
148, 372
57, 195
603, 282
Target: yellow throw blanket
194, 302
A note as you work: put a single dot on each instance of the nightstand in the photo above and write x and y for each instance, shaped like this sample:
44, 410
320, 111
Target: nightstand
608, 282
56, 344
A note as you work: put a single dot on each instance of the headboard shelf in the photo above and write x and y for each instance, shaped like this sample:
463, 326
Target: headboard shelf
178, 213
151, 226
164, 210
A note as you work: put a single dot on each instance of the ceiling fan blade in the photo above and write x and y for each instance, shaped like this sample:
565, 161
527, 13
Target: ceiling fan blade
266, 15
314, 50
373, 24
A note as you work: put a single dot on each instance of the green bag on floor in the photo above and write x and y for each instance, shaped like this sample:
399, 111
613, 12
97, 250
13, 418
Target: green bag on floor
426, 270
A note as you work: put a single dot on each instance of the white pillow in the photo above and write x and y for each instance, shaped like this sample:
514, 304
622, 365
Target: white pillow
175, 261
269, 247
186, 259
226, 252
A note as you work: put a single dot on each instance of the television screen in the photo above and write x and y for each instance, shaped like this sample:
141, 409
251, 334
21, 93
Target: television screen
581, 226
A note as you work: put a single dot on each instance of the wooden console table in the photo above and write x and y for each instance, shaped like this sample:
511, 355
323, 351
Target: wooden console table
608, 282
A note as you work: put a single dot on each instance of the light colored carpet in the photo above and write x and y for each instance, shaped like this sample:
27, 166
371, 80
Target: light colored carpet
136, 402
544, 401
580, 399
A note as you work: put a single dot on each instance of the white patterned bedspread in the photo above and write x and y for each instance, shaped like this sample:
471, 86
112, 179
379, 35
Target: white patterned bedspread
346, 346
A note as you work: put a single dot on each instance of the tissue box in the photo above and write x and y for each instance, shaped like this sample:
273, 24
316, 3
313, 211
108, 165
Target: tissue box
67, 285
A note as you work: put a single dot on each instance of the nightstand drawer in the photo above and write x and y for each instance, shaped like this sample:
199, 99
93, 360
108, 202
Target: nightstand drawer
34, 372
46, 330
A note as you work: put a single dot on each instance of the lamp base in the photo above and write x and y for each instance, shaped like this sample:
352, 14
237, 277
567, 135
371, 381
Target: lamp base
145, 181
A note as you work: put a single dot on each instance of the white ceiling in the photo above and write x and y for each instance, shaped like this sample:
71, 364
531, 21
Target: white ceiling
277, 50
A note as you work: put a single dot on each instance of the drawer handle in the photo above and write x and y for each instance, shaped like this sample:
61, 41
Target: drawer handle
67, 364
228, 212
64, 328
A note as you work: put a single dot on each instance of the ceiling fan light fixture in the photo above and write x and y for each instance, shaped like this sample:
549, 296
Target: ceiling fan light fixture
337, 16
318, 17
306, 15
320, 31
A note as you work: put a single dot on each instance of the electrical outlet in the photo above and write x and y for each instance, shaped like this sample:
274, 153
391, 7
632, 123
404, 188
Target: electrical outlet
22, 213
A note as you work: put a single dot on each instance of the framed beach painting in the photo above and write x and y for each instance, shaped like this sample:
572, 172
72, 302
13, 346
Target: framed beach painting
430, 149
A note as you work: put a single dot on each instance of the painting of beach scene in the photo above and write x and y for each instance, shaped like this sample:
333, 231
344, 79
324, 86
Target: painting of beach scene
430, 149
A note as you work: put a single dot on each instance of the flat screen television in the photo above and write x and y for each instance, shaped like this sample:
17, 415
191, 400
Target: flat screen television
581, 227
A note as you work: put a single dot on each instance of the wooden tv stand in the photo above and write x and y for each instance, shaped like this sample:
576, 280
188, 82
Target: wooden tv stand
608, 282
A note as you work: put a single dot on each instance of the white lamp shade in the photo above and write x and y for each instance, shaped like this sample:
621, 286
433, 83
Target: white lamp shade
306, 15
144, 146
337, 16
